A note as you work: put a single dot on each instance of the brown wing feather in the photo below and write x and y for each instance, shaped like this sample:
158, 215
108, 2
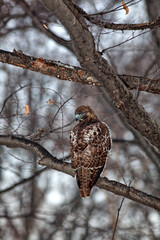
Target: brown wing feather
95, 173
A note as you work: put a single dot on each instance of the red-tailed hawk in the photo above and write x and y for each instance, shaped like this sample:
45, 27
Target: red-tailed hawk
90, 145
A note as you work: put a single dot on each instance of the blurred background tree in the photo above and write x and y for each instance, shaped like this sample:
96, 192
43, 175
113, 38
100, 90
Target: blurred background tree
39, 203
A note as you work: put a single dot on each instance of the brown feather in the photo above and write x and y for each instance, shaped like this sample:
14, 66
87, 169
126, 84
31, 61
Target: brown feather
90, 145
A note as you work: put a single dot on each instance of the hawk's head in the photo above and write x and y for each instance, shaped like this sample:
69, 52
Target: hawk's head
85, 112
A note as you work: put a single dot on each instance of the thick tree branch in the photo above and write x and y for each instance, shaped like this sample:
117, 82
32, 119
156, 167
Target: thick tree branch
50, 161
41, 152
92, 60
72, 73
139, 26
128, 192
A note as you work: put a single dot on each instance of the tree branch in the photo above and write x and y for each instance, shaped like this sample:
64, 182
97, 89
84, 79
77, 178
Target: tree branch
24, 180
92, 60
129, 192
41, 152
138, 26
50, 161
72, 73
39, 25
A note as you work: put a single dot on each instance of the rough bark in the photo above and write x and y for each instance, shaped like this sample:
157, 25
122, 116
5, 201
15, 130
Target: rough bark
75, 74
153, 24
153, 9
91, 60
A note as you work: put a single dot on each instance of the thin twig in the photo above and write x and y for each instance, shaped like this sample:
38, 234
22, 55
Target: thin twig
6, 100
129, 39
119, 209
24, 180
118, 213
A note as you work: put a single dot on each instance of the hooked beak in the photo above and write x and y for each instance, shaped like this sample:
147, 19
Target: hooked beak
77, 117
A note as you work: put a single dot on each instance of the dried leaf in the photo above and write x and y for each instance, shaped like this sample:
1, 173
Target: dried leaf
26, 107
41, 130
40, 59
50, 101
125, 7
45, 26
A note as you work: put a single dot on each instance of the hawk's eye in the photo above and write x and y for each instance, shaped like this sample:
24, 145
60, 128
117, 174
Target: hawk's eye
80, 116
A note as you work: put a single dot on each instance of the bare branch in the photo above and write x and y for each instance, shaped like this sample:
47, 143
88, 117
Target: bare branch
41, 152
139, 26
25, 180
7, 98
129, 192
71, 73
120, 7
40, 26
50, 161
92, 60
127, 40
116, 223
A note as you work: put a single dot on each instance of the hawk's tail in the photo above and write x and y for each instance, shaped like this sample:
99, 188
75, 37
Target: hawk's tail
83, 179
87, 178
